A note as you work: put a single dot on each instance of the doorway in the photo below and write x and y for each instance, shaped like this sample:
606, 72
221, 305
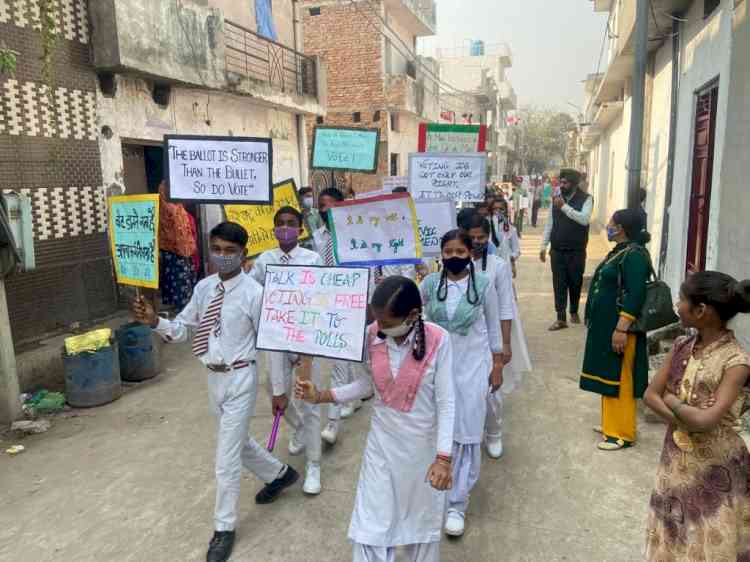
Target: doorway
703, 167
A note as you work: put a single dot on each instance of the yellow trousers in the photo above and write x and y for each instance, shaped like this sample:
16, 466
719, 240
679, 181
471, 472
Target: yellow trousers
619, 414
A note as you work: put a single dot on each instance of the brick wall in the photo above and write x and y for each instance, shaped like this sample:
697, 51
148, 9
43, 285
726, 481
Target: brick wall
353, 52
49, 152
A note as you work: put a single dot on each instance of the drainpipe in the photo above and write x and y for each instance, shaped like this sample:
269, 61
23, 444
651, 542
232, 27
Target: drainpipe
674, 103
299, 119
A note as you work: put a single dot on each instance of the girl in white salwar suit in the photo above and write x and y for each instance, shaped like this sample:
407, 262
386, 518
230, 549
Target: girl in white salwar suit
406, 467
465, 303
505, 237
499, 272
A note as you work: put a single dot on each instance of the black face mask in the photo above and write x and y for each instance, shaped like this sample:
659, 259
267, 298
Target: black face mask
479, 248
456, 265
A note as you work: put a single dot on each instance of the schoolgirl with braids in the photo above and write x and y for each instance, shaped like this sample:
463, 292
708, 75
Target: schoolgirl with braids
499, 272
463, 301
411, 433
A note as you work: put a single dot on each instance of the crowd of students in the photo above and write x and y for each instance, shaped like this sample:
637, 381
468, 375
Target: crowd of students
432, 409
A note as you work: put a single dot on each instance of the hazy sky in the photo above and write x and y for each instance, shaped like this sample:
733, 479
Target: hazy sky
555, 43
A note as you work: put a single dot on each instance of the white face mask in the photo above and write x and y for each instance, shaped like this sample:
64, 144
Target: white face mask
398, 331
307, 202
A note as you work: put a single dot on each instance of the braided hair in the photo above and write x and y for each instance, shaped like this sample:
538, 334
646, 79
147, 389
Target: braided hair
399, 296
442, 292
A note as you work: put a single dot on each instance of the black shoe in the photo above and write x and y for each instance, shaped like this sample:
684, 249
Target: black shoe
220, 547
272, 491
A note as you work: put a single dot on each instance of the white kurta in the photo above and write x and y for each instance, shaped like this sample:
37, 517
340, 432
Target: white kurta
498, 269
472, 355
394, 505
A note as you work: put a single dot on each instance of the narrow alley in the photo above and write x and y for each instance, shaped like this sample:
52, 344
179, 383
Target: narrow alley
133, 480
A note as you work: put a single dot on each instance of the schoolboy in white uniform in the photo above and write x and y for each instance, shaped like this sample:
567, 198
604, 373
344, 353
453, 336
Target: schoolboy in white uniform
224, 312
302, 416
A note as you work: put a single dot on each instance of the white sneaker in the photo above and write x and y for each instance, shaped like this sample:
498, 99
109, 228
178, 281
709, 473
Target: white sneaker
295, 447
330, 433
454, 523
347, 411
312, 479
494, 446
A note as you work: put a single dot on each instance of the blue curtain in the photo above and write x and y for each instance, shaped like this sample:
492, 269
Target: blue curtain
264, 17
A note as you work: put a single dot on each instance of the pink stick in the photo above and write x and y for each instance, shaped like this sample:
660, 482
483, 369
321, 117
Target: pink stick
274, 431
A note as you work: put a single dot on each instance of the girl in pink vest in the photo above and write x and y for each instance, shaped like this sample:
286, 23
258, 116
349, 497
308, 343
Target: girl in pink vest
406, 467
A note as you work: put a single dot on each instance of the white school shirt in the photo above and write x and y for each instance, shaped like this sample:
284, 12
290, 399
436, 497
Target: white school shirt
298, 256
240, 314
321, 238
501, 276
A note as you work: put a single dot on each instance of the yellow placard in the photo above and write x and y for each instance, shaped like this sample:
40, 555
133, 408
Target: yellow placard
258, 219
134, 239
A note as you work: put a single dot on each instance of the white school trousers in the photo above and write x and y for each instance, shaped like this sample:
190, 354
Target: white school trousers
493, 424
302, 416
467, 460
342, 373
232, 398
426, 552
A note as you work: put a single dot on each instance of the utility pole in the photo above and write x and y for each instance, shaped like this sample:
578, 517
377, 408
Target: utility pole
10, 406
638, 102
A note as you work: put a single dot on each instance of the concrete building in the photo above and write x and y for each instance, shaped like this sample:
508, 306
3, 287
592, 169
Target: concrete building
696, 133
375, 79
479, 73
122, 74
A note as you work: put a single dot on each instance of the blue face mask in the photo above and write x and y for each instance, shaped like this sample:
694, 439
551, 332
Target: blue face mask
612, 233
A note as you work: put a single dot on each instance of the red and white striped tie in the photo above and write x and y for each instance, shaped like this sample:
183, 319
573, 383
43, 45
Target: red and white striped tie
211, 319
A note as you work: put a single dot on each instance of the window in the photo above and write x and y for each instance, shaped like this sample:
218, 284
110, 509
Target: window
376, 116
357, 117
709, 6
394, 164
315, 11
319, 120
394, 122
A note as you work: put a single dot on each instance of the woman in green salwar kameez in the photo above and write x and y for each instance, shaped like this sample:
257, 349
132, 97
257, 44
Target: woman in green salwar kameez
615, 363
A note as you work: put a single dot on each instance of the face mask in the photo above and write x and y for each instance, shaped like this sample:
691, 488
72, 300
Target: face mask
479, 248
286, 234
226, 264
307, 202
612, 233
456, 265
398, 331
324, 216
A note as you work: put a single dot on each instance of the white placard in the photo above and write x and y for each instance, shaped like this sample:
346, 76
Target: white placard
436, 217
376, 231
219, 169
312, 310
457, 177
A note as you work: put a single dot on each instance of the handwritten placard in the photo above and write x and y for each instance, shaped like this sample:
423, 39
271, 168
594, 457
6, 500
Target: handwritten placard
342, 148
133, 235
218, 169
319, 311
457, 177
437, 137
436, 217
258, 219
376, 231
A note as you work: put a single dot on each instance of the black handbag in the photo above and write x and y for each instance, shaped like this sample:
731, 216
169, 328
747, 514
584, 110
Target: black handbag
658, 308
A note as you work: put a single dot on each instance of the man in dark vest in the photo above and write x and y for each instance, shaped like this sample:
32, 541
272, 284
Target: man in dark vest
567, 231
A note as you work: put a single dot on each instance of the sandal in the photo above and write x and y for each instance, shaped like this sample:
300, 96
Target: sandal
598, 429
613, 444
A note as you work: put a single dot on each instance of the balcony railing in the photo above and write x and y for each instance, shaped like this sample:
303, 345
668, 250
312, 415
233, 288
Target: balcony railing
254, 57
425, 10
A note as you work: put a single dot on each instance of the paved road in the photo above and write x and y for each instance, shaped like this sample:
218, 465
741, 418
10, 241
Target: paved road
133, 481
